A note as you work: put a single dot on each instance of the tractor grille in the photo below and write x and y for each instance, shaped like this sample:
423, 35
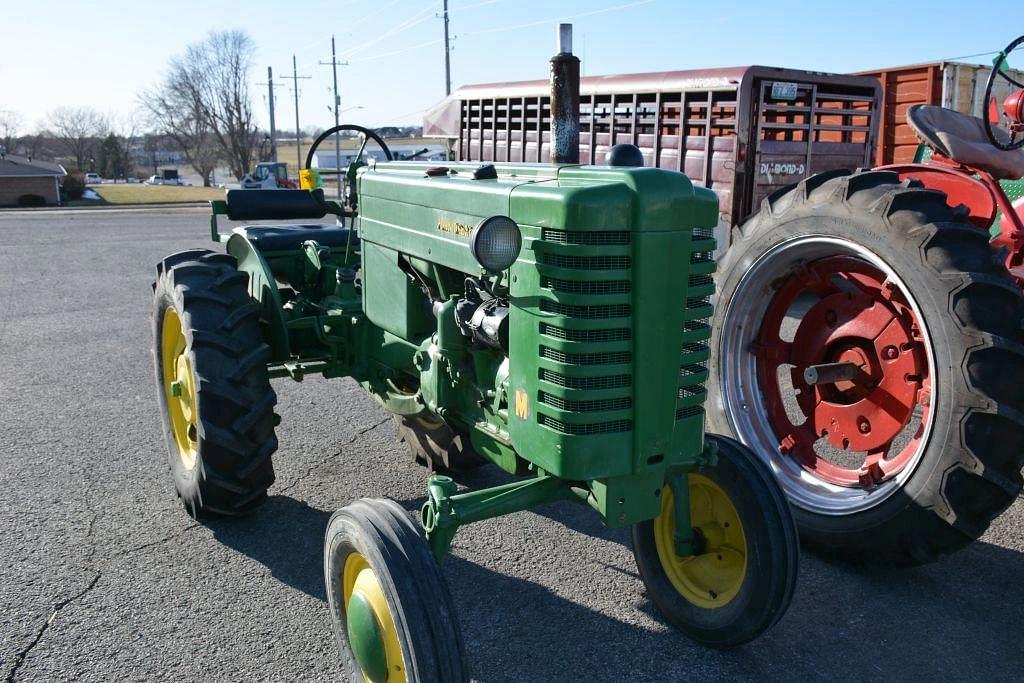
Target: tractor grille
586, 286
586, 238
608, 358
585, 406
693, 360
586, 350
570, 382
586, 380
586, 312
587, 262
556, 332
583, 429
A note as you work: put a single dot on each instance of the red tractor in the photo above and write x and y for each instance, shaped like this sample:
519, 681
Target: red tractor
870, 341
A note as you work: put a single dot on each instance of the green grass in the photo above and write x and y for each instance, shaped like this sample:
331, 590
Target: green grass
152, 194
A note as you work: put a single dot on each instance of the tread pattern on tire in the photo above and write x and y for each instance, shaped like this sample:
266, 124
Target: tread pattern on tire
983, 476
234, 397
411, 576
440, 449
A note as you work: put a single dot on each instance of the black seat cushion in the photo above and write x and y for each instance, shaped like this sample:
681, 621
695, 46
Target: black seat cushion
282, 237
251, 205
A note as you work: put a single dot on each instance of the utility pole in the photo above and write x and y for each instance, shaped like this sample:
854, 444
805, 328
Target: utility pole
273, 128
447, 55
270, 101
298, 133
334, 63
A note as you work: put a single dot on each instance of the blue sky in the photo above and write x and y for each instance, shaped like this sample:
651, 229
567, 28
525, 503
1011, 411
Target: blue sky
103, 53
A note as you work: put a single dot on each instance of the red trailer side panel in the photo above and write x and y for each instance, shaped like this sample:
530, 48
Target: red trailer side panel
902, 87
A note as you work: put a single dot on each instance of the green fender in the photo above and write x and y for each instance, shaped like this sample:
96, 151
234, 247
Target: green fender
263, 290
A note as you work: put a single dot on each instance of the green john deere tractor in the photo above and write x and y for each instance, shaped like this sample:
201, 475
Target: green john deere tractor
549, 319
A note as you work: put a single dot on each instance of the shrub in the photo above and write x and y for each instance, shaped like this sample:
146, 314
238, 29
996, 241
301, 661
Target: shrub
73, 186
31, 200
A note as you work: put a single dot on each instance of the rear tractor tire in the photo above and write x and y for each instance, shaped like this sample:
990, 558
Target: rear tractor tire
435, 445
914, 456
740, 580
212, 384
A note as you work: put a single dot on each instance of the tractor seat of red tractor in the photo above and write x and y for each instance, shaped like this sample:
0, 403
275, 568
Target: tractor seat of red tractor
962, 138
245, 205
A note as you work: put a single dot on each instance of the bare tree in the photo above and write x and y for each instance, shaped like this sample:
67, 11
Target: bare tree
77, 129
10, 124
177, 114
126, 126
31, 145
206, 95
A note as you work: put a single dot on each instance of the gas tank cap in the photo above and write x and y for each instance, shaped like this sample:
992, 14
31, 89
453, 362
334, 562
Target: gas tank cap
485, 172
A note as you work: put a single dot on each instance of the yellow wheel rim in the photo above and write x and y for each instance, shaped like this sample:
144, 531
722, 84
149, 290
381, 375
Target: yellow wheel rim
714, 577
359, 583
179, 389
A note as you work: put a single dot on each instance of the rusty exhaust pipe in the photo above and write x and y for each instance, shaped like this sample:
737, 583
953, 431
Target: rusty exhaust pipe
565, 101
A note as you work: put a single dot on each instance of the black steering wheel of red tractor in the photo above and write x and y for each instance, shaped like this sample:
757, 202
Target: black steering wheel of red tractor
997, 70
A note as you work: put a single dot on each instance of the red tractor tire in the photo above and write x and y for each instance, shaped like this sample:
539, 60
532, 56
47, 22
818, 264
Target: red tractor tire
884, 276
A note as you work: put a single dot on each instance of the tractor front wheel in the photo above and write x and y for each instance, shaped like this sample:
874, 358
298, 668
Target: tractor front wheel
740, 579
391, 612
867, 344
212, 384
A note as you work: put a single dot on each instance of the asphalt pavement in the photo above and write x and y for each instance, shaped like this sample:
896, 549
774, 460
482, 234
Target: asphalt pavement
103, 576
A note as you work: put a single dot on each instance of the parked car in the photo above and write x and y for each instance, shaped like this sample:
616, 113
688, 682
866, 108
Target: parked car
160, 180
93, 179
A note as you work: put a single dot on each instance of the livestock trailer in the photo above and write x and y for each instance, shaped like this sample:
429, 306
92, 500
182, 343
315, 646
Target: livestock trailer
743, 132
953, 85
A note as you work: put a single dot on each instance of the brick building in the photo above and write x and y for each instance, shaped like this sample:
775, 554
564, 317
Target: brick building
20, 176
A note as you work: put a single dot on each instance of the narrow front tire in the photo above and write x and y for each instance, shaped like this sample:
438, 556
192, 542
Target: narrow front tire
391, 612
741, 579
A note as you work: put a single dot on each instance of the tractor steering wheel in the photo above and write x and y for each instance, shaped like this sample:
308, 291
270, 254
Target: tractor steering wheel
997, 69
365, 135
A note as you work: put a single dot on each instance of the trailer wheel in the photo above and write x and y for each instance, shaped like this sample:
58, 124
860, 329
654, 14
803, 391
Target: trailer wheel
435, 445
212, 385
914, 455
391, 611
741, 580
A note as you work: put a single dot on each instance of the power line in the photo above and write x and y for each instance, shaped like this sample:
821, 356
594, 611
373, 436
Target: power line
414, 20
501, 29
614, 8
381, 55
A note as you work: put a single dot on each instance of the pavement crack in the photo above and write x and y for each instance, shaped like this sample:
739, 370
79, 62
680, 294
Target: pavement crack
323, 461
20, 657
159, 541
90, 530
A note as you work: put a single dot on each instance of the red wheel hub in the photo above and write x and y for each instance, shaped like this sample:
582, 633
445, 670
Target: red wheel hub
858, 317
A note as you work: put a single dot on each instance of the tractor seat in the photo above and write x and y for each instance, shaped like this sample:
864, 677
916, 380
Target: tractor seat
285, 237
962, 138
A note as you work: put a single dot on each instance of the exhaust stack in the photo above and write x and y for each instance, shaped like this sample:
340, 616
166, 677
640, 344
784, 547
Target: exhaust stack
565, 101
